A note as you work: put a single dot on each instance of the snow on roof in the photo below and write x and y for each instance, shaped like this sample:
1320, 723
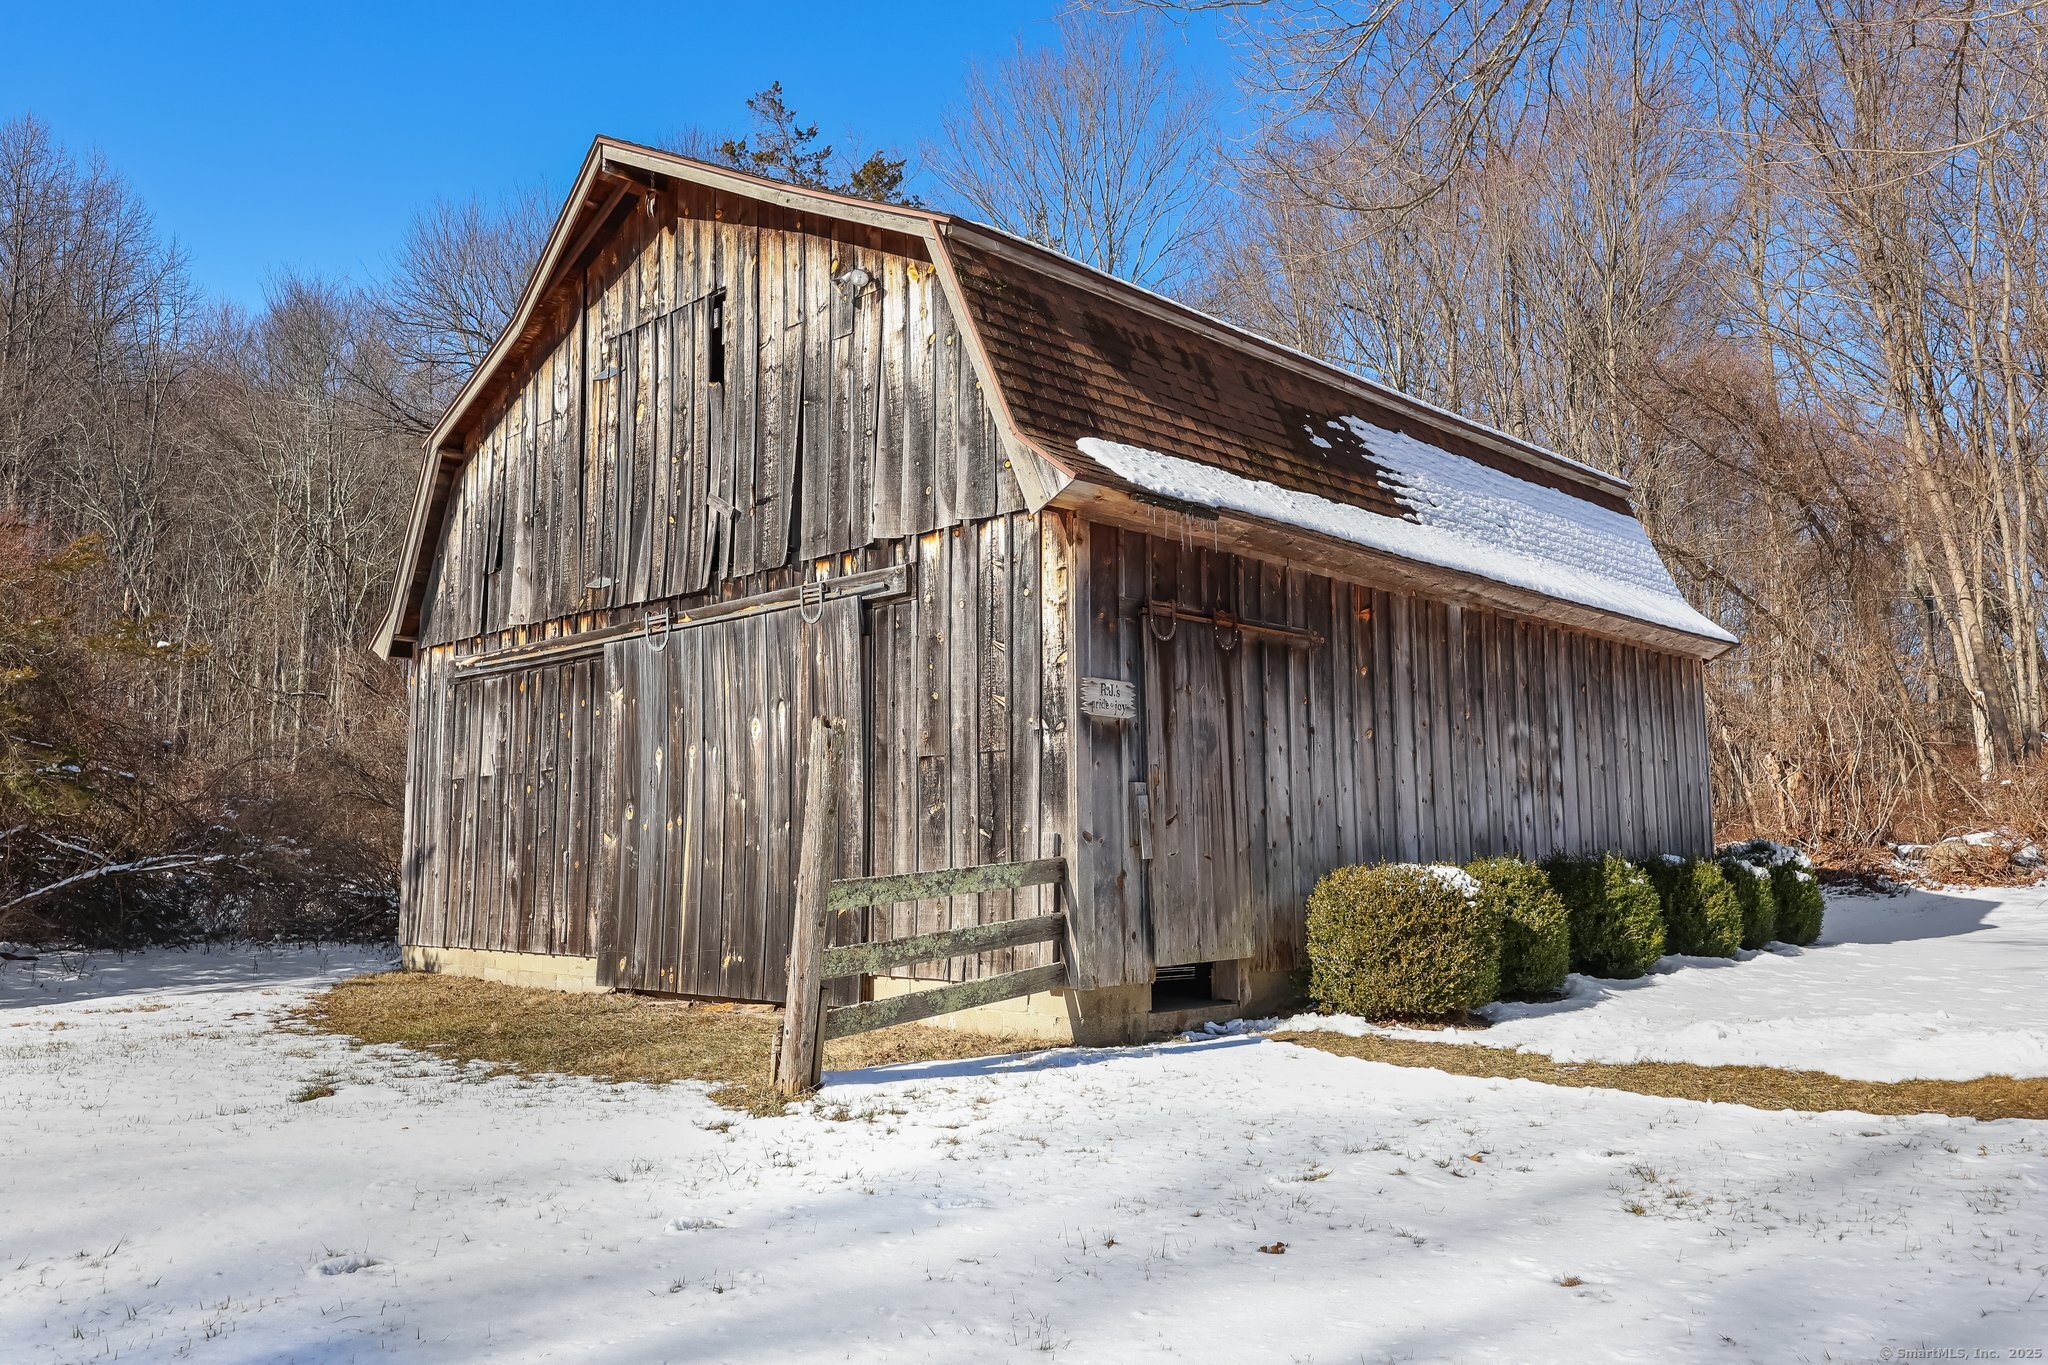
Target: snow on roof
1467, 517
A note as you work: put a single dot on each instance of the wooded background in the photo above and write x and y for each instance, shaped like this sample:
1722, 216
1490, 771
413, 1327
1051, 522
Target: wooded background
1783, 266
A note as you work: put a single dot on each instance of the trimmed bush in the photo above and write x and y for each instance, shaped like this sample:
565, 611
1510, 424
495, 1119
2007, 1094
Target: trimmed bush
1800, 904
1401, 941
1535, 926
1752, 887
1617, 922
1702, 917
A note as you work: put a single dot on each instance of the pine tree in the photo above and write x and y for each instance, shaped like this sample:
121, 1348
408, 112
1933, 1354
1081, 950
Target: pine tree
783, 147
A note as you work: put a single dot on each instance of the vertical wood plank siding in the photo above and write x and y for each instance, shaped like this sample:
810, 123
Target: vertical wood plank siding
506, 807
967, 728
709, 781
686, 754
1417, 731
619, 474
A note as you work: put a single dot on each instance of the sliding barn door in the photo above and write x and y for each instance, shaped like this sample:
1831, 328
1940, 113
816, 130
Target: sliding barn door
709, 725
1198, 889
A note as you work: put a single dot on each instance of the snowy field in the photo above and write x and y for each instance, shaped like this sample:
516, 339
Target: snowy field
164, 1197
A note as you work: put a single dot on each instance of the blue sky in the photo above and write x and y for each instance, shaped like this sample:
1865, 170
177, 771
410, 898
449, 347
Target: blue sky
279, 137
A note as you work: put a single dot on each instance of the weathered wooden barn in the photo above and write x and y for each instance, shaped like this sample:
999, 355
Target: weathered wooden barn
1086, 571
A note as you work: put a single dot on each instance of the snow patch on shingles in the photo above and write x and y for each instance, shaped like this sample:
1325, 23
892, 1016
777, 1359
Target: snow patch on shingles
1468, 517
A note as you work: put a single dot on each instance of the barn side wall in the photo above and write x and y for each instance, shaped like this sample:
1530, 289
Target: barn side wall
1420, 731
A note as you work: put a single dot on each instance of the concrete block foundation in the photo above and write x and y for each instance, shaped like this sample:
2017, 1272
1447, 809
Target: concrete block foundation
544, 970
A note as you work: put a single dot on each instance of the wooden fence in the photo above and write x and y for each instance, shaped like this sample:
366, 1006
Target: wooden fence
807, 1021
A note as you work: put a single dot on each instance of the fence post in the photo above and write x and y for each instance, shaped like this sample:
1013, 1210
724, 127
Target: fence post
799, 1065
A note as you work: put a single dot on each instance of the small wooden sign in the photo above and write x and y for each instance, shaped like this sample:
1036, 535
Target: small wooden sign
1109, 698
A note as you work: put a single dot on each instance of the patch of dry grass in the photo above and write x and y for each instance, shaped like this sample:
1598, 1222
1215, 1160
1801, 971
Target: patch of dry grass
1760, 1087
610, 1037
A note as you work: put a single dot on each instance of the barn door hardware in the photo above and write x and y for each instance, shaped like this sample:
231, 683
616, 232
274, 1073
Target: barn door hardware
810, 602
1229, 629
810, 597
668, 626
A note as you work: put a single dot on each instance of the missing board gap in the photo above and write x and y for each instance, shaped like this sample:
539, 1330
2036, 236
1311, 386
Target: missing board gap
714, 360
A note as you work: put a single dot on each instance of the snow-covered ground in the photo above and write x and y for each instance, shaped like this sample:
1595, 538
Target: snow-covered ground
162, 1197
1946, 985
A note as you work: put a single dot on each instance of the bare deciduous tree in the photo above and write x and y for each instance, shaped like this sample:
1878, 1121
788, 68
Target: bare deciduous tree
1099, 146
1452, 69
459, 273
196, 519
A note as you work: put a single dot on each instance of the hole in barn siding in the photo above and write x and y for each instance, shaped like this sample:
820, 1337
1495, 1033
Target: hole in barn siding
714, 361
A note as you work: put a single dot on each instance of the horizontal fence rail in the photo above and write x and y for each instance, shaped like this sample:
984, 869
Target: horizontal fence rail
865, 959
845, 1020
807, 1023
851, 893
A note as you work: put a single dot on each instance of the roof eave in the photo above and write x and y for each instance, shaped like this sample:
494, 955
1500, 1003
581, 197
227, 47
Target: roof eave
1295, 547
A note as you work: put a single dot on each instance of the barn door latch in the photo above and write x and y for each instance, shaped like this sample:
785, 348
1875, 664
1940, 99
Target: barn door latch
656, 644
810, 601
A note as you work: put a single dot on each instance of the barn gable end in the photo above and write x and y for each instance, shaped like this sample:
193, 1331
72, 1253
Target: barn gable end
724, 390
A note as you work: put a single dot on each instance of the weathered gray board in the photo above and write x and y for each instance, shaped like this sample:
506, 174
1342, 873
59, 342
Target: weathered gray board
971, 726
1199, 876
867, 959
973, 941
848, 1020
709, 792
506, 791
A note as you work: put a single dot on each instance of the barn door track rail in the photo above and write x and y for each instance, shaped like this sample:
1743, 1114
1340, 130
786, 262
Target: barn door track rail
1164, 617
807, 1022
660, 622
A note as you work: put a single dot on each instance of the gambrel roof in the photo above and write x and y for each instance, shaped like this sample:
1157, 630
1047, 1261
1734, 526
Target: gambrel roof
1142, 412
